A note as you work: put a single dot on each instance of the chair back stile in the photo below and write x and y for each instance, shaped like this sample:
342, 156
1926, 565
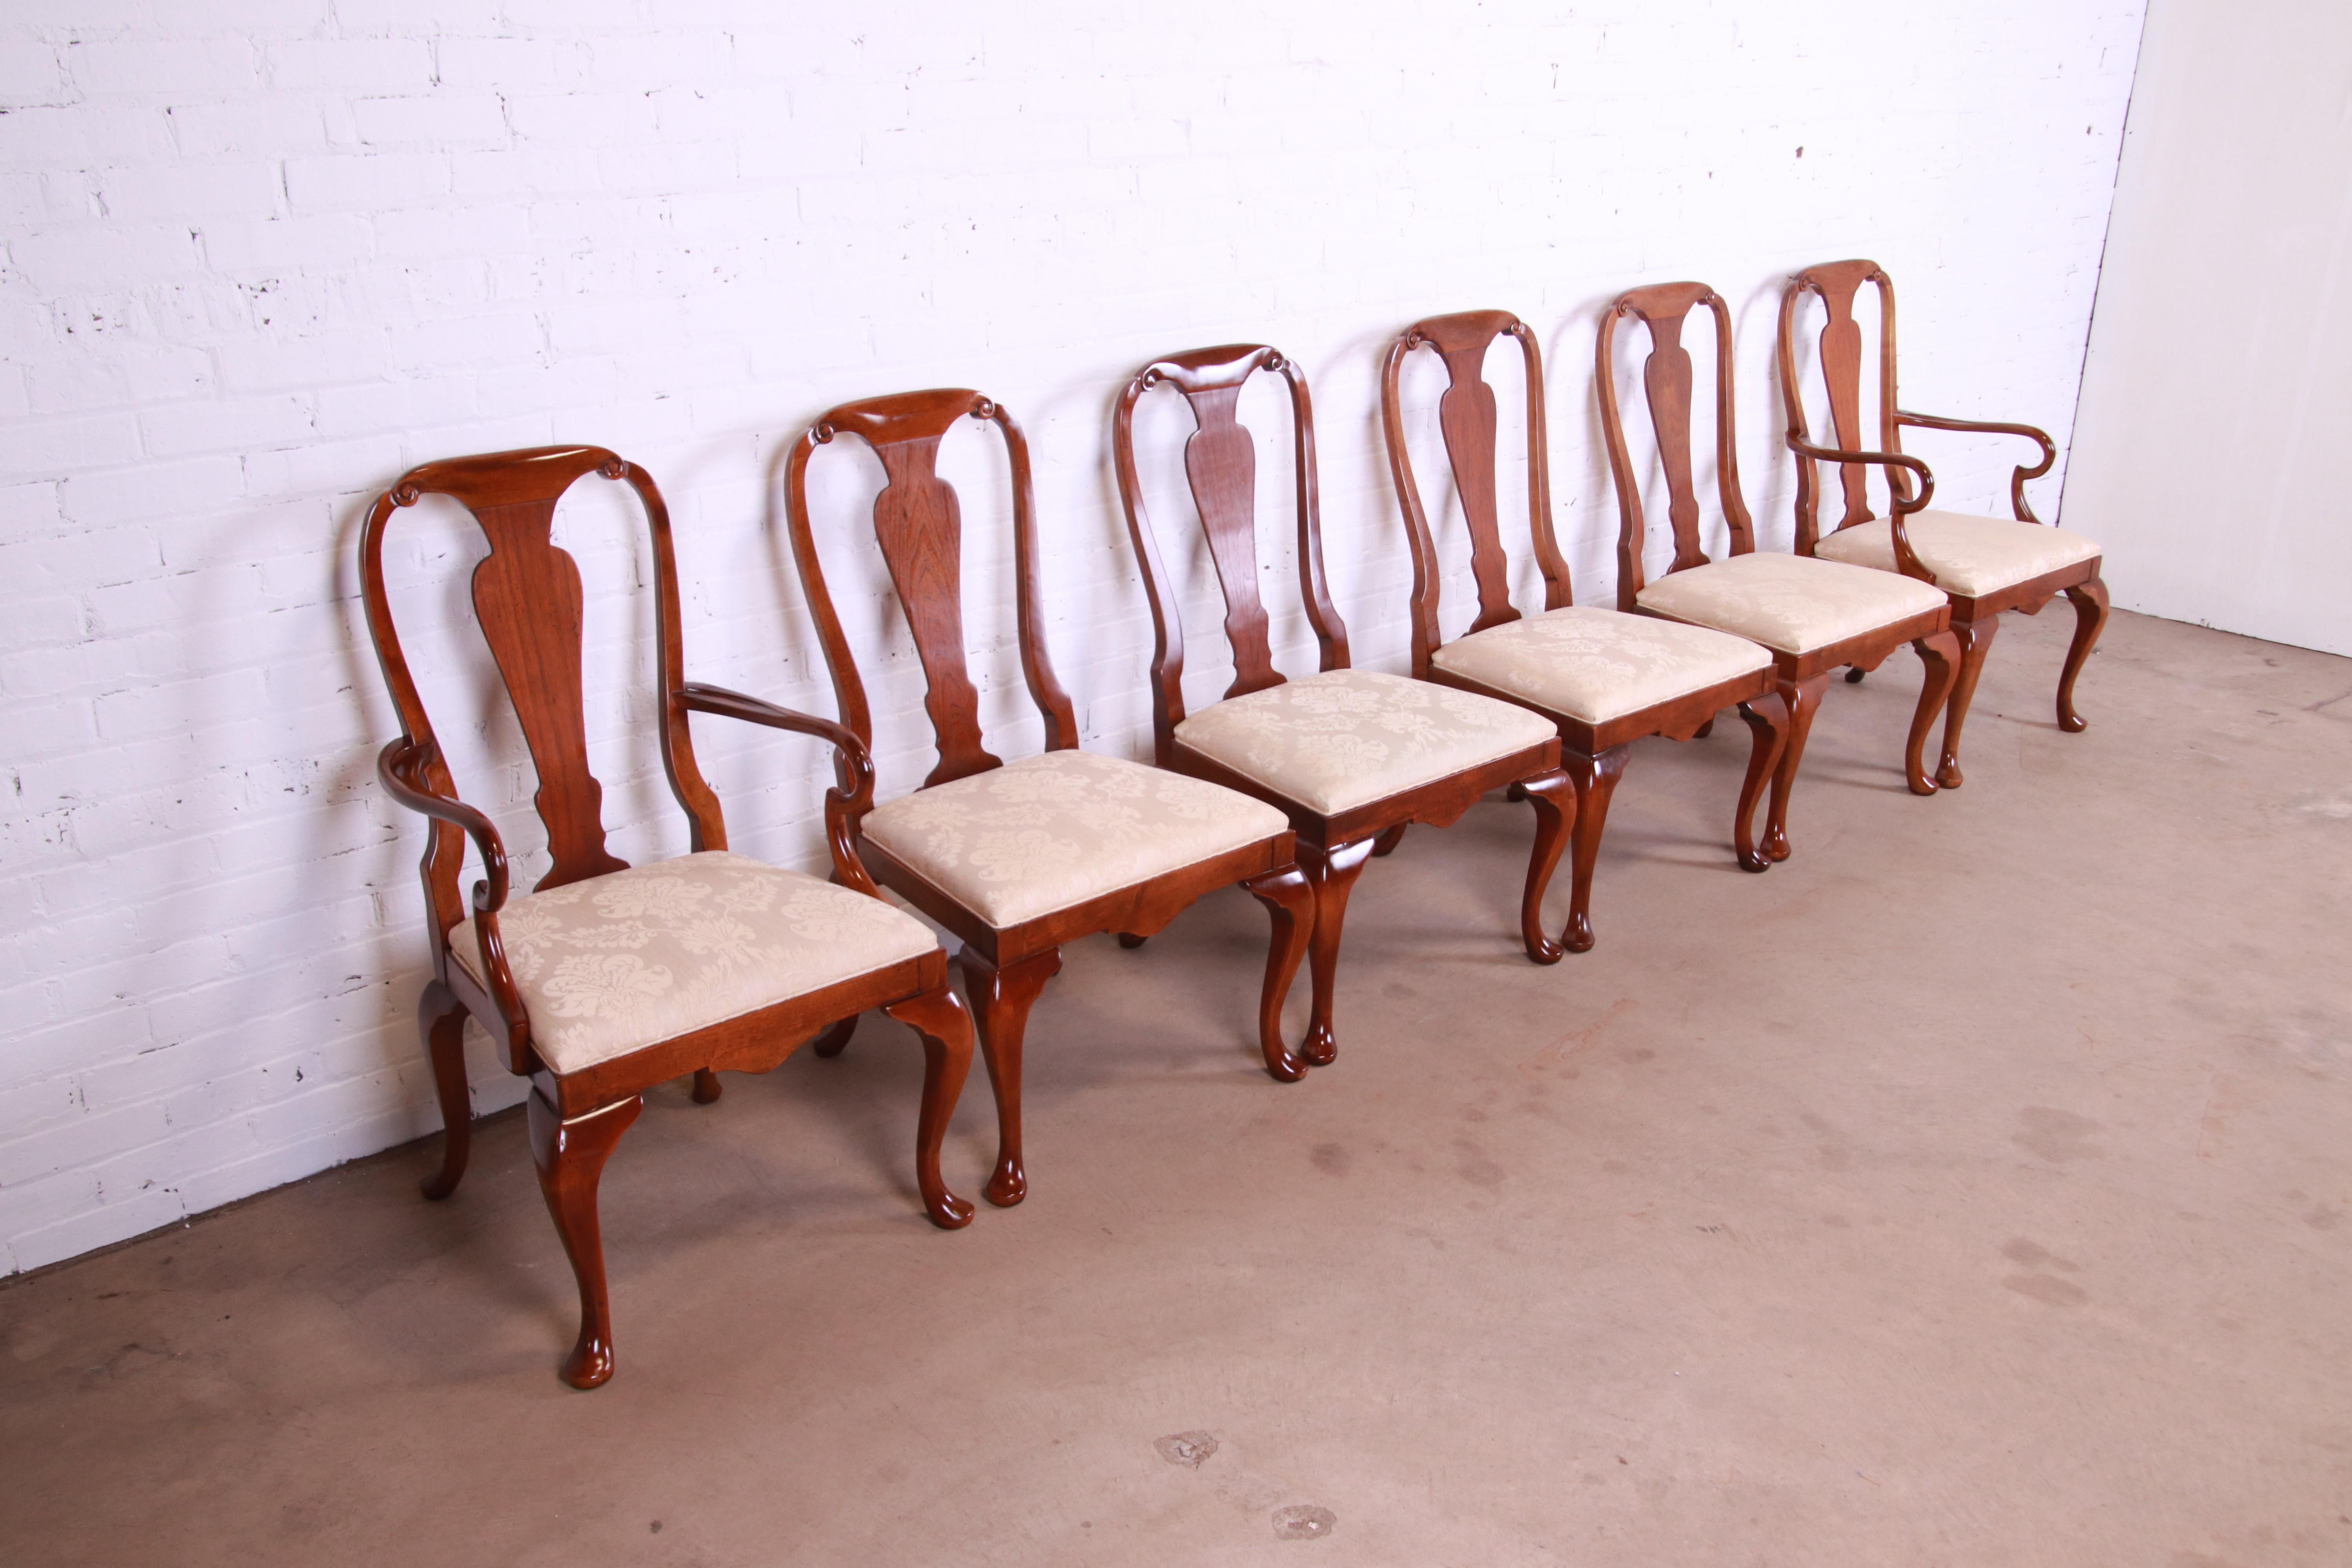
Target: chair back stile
1837, 283
1466, 418
917, 522
1221, 468
528, 599
1668, 386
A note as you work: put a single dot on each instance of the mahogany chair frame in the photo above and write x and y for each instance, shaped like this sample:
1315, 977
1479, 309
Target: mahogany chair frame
1221, 468
1975, 619
1799, 679
917, 523
528, 598
1593, 755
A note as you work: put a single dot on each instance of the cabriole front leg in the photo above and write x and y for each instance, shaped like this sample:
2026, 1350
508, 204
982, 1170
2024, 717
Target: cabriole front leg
945, 1028
1975, 638
1767, 733
1332, 873
441, 1020
1554, 799
1941, 655
1289, 900
1001, 999
1799, 700
570, 1156
2090, 602
1595, 778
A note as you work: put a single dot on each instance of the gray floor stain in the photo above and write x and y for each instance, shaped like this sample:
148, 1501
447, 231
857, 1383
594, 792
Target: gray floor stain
1331, 1158
2048, 1289
2033, 1254
1189, 1449
1303, 1522
2057, 1135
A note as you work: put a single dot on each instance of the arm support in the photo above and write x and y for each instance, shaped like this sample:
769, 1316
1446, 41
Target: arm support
403, 767
1993, 428
852, 768
1895, 464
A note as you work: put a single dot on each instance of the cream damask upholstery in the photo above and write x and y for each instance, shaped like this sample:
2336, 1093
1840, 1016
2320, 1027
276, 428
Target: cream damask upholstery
632, 958
1047, 832
1597, 665
1970, 555
1788, 602
1346, 737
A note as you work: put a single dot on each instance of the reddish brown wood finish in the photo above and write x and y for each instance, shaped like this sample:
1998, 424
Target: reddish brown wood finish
917, 522
1975, 619
1798, 681
1591, 755
527, 597
1221, 466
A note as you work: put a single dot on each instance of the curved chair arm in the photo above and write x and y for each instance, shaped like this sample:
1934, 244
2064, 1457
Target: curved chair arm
1995, 428
403, 767
852, 796
1894, 463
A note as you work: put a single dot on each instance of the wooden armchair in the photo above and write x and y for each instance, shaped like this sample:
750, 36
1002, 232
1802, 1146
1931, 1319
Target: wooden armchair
607, 979
1813, 616
1017, 859
1602, 678
1983, 564
1350, 756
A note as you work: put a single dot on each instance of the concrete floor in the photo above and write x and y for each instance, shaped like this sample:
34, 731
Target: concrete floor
1971, 1189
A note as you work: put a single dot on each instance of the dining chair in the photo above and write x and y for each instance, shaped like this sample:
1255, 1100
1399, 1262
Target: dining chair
1018, 858
607, 979
1983, 564
1601, 677
1351, 757
1812, 615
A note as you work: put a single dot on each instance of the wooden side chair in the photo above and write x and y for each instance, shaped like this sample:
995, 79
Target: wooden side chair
1812, 615
1983, 564
1350, 756
1600, 678
1018, 857
607, 979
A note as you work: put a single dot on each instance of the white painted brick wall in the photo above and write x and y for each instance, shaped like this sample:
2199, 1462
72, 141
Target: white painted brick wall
262, 255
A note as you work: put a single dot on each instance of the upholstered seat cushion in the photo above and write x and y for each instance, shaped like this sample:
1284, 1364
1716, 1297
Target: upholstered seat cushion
633, 958
1597, 665
1047, 832
1347, 736
1791, 603
1970, 556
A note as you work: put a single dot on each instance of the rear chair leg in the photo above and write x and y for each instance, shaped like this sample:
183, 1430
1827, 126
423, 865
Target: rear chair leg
1554, 797
1941, 655
835, 1038
1595, 778
707, 1087
2090, 601
1333, 873
1798, 701
1290, 901
940, 1018
1767, 733
1002, 999
441, 1020
570, 1157
1975, 638
1385, 845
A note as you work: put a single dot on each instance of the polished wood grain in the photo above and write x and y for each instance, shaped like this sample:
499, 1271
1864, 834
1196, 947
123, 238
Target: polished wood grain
1592, 756
917, 521
1797, 681
1975, 619
1221, 469
527, 600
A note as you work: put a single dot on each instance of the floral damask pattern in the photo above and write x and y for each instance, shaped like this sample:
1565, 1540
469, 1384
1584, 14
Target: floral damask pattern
1597, 665
1047, 832
1970, 555
626, 960
1336, 741
1791, 603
